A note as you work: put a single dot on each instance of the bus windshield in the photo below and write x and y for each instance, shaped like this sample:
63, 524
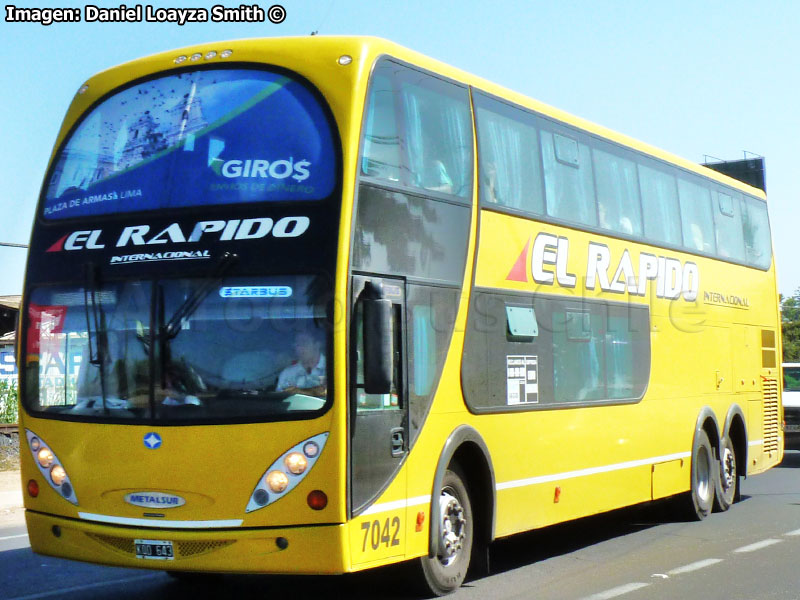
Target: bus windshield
237, 348
202, 137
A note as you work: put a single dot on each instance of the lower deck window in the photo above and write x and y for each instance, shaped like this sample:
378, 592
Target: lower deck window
574, 352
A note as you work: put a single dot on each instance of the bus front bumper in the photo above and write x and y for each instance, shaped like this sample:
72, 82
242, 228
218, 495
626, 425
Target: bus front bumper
304, 550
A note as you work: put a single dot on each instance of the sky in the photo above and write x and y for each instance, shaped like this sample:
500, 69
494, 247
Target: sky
693, 77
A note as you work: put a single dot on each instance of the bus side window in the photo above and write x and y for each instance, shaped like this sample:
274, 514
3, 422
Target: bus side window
697, 222
578, 356
756, 233
510, 172
439, 135
728, 226
381, 152
618, 207
364, 401
569, 185
660, 206
418, 131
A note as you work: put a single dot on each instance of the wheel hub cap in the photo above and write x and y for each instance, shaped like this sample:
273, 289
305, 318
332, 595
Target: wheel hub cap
452, 528
728, 468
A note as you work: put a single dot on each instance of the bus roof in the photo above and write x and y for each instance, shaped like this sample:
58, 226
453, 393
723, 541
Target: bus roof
364, 51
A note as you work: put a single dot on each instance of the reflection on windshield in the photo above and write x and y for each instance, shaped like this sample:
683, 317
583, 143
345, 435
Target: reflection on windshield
193, 138
251, 348
791, 379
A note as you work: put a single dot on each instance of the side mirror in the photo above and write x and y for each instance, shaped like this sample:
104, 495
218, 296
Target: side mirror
378, 341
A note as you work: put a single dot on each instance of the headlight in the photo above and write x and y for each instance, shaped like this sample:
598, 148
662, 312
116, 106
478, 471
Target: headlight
58, 475
277, 481
286, 472
295, 462
50, 467
45, 457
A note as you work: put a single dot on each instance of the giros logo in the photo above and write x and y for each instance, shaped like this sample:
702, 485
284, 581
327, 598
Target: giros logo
223, 231
277, 169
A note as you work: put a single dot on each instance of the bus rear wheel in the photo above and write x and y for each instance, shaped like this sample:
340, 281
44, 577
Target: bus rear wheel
727, 479
446, 570
700, 499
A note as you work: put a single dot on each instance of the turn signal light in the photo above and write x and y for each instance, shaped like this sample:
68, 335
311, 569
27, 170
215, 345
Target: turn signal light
33, 488
317, 499
420, 521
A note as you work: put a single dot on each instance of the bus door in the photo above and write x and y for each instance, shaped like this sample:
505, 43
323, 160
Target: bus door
378, 422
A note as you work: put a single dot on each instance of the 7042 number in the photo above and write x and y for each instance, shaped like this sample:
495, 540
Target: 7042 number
381, 535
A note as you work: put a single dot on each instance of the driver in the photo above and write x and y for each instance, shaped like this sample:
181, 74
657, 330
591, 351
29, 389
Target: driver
308, 371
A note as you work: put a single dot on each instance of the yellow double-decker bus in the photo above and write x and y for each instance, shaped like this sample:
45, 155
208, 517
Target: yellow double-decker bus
318, 305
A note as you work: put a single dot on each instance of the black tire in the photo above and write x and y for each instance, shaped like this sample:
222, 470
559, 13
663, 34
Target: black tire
445, 572
726, 486
700, 499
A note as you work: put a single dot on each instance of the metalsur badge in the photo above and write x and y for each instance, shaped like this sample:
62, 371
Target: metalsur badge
154, 500
152, 440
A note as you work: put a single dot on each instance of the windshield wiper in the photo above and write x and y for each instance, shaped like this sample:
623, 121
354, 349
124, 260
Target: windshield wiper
173, 327
101, 332
169, 330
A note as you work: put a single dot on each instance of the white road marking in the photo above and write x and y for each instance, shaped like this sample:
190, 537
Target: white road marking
13, 537
695, 566
617, 591
795, 532
78, 588
758, 545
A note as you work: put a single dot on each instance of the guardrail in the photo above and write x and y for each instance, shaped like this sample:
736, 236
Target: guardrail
9, 428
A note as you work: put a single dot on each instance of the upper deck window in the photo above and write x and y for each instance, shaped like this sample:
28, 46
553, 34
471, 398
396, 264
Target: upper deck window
418, 132
195, 138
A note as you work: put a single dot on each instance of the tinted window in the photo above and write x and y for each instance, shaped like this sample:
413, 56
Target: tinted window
660, 206
431, 314
409, 235
568, 178
431, 133
728, 226
195, 138
510, 165
696, 219
756, 233
564, 353
791, 379
382, 153
618, 206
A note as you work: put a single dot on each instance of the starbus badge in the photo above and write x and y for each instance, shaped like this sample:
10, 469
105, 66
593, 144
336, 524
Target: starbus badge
152, 441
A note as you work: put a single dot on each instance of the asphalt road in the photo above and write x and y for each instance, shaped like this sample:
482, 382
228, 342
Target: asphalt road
750, 553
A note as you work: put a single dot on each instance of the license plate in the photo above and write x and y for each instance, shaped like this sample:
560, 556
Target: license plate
154, 549
792, 428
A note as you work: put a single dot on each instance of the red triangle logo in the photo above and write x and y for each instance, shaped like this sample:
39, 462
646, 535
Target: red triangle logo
58, 246
519, 272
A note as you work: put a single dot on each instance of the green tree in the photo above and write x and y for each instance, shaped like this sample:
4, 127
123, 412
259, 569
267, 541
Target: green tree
790, 326
9, 402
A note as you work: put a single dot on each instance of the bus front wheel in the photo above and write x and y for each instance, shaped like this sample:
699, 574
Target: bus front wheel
445, 571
